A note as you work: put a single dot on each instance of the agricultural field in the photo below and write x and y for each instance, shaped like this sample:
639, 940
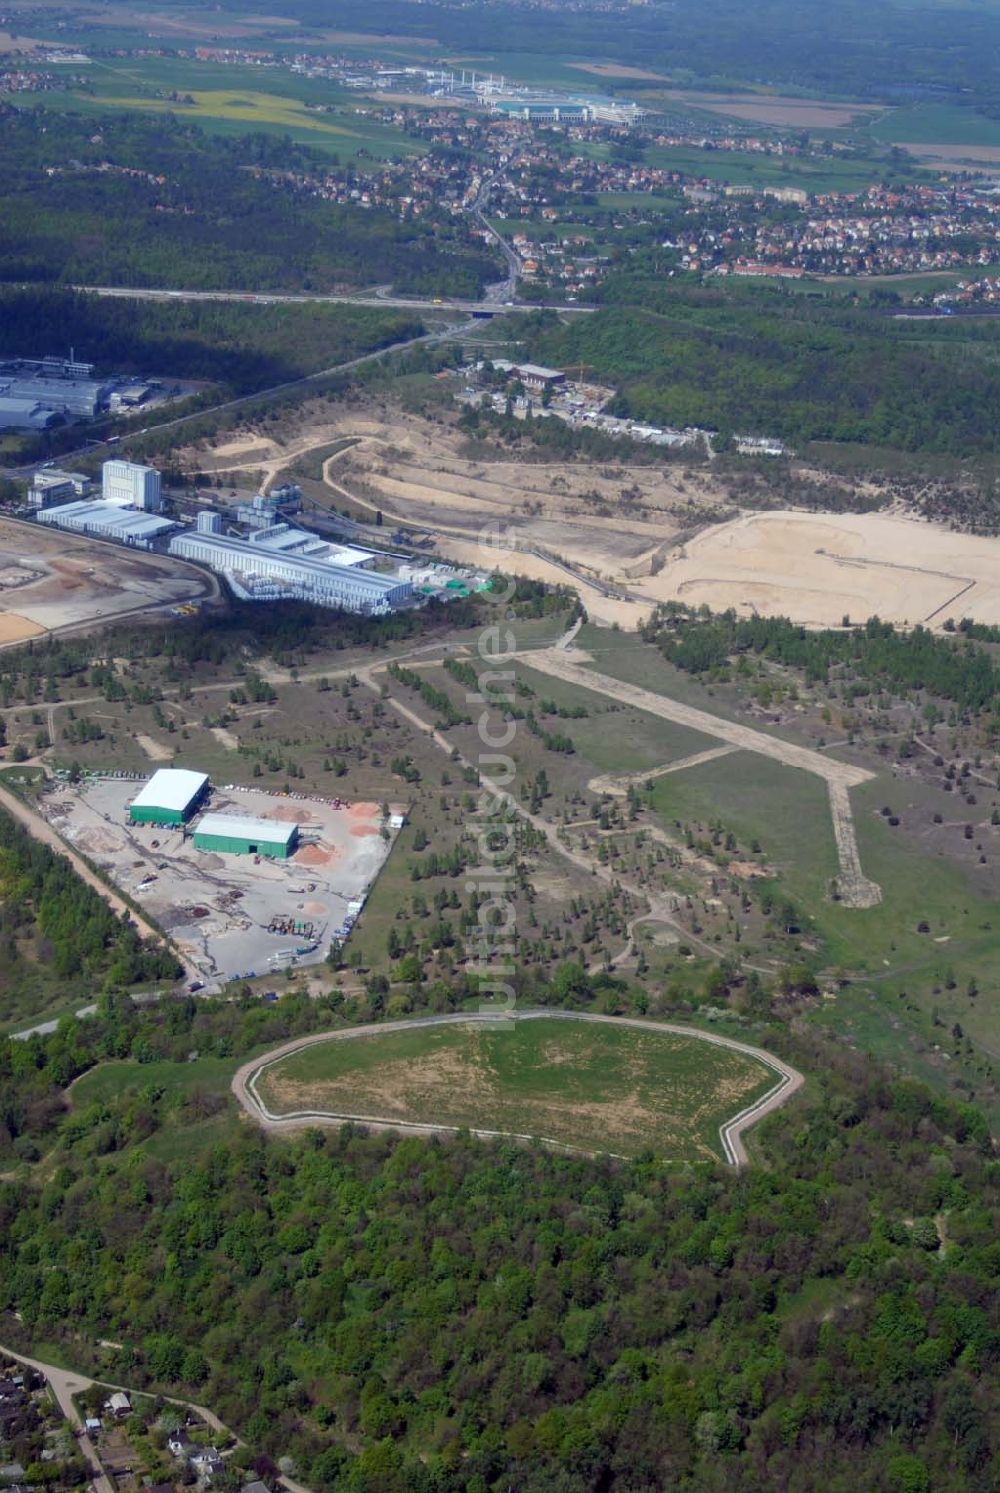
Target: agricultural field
232, 100
592, 1087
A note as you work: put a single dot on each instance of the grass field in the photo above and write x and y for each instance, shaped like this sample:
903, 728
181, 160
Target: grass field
936, 124
595, 1088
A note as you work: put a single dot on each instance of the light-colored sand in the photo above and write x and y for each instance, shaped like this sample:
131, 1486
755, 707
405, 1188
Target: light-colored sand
155, 750
14, 628
817, 568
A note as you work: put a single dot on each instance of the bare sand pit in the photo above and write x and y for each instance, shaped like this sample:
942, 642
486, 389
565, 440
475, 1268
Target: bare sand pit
819, 568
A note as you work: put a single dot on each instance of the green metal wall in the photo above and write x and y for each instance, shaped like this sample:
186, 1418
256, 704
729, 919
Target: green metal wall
154, 815
230, 845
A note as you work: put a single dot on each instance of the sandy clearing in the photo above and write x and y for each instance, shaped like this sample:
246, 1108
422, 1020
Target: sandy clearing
817, 568
225, 738
155, 750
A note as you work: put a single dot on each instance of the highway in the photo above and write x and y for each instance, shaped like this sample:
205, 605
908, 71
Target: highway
347, 298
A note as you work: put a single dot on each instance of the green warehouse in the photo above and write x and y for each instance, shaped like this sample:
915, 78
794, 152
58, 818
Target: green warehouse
231, 834
170, 797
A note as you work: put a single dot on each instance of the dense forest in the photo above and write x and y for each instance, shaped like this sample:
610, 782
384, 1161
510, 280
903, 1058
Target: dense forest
59, 933
243, 347
410, 1316
782, 365
140, 201
844, 48
876, 655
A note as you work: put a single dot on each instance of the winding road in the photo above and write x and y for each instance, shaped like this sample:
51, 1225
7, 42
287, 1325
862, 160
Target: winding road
244, 1084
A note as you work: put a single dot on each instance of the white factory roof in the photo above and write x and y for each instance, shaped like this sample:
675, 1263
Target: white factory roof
240, 827
232, 554
349, 554
170, 788
287, 540
109, 517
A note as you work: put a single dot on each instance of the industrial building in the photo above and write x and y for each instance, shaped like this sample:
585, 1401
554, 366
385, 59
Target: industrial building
260, 571
60, 386
262, 511
129, 485
532, 375
25, 414
99, 520
234, 834
52, 485
170, 797
282, 538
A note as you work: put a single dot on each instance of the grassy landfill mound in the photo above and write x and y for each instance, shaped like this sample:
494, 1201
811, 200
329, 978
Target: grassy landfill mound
593, 1087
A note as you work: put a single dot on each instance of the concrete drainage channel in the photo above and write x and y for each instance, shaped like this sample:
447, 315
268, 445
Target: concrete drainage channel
244, 1084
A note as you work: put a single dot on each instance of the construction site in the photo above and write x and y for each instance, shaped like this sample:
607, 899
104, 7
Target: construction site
233, 907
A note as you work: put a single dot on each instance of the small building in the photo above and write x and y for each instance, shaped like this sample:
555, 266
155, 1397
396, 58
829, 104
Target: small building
234, 834
170, 797
119, 1405
52, 485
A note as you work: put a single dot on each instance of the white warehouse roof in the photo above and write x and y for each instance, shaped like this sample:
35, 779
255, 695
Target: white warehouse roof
170, 788
238, 827
105, 518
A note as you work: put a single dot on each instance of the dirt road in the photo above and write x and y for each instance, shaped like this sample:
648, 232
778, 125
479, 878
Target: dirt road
618, 785
42, 830
855, 889
244, 1084
65, 1383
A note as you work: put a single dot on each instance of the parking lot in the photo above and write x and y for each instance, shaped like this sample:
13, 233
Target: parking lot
232, 915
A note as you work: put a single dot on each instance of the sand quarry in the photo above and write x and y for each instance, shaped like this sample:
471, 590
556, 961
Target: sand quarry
817, 568
633, 537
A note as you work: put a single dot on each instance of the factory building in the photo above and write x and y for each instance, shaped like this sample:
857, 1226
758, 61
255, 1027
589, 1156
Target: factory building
288, 541
262, 511
170, 797
129, 485
25, 414
235, 834
259, 572
107, 521
532, 375
208, 522
52, 485
60, 386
